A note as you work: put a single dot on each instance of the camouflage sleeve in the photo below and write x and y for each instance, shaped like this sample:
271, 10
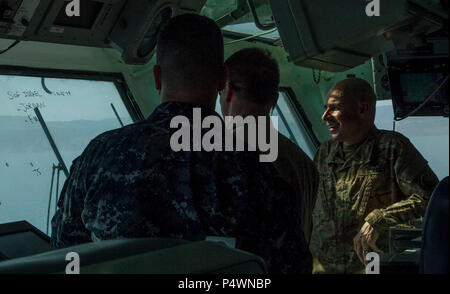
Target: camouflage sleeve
314, 177
318, 214
67, 226
416, 181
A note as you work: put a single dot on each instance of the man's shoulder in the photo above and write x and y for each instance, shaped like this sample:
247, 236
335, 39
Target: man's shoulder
326, 145
381, 138
392, 137
142, 130
391, 141
126, 144
292, 153
324, 150
248, 165
286, 144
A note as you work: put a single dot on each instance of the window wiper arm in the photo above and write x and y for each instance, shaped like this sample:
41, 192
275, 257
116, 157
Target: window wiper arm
52, 142
117, 115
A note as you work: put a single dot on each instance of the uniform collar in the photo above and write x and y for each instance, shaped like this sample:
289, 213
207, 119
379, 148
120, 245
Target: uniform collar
361, 153
172, 108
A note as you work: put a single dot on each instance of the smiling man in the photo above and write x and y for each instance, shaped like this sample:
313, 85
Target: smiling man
370, 180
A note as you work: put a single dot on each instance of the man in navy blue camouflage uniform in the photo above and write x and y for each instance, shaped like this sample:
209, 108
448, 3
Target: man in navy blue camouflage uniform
129, 182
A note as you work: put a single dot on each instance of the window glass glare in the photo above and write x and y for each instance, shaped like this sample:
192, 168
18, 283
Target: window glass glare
250, 28
294, 130
216, 9
75, 112
218, 109
281, 127
429, 134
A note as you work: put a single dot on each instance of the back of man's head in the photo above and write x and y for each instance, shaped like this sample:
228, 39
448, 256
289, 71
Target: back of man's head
190, 53
254, 75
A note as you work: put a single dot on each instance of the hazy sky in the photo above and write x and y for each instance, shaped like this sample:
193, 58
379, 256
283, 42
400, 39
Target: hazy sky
429, 134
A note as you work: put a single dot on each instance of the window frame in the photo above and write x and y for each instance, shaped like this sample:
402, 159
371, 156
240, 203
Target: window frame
232, 35
116, 78
301, 118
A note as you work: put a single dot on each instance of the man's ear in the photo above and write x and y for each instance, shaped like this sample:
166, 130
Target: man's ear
364, 108
229, 92
223, 78
157, 76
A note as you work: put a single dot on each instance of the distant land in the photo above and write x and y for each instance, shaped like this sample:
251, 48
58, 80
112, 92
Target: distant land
16, 135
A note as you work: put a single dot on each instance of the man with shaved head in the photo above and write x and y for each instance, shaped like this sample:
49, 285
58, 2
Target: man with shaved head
370, 180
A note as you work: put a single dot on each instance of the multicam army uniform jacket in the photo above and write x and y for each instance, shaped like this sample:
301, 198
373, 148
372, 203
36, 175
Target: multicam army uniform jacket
385, 181
129, 183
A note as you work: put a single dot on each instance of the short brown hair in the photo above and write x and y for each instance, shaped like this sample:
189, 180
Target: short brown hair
254, 75
190, 51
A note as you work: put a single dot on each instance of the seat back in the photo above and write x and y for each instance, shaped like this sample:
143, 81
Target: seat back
142, 256
435, 246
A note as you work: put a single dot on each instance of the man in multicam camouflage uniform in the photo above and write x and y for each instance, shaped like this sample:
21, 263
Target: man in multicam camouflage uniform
130, 183
370, 180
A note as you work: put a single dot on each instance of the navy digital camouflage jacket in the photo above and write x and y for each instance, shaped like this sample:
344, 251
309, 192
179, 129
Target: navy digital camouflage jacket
129, 183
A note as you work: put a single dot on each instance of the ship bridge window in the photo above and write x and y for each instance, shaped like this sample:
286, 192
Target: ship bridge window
429, 134
243, 19
293, 123
75, 111
251, 30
